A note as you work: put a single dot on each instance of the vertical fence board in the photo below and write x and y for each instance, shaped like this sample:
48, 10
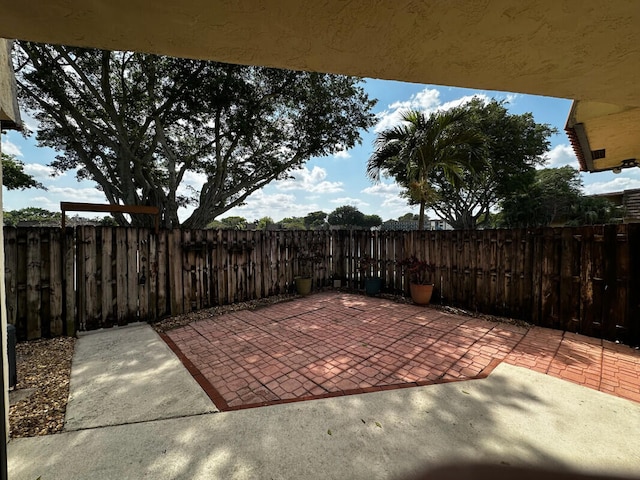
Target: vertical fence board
55, 283
90, 288
122, 300
618, 312
566, 319
586, 281
33, 304
45, 286
107, 279
634, 284
143, 275
69, 282
10, 276
162, 267
132, 274
152, 276
610, 291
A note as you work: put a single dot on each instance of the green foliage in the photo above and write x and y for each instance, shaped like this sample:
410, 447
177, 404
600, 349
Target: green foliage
408, 217
315, 220
350, 216
264, 222
139, 125
371, 221
555, 198
229, 223
346, 215
32, 214
108, 222
514, 146
425, 147
292, 223
13, 176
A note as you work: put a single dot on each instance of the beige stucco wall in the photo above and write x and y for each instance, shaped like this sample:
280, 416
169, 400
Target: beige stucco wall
9, 113
9, 118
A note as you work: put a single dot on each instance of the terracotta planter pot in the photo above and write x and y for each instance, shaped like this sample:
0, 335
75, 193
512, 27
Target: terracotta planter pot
421, 294
303, 285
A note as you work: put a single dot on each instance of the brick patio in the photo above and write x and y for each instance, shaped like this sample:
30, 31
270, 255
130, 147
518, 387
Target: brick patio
331, 344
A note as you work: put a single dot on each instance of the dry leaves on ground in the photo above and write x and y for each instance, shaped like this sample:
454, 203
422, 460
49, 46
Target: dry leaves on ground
44, 367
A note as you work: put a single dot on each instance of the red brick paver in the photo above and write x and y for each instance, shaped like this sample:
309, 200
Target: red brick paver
336, 344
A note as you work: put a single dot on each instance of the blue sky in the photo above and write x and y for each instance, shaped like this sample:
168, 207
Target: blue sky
328, 182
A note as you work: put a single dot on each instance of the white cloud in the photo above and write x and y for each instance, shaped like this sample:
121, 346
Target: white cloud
384, 189
462, 100
39, 171
427, 100
310, 181
342, 154
355, 202
277, 206
561, 155
193, 179
618, 184
391, 205
68, 194
11, 148
46, 203
511, 98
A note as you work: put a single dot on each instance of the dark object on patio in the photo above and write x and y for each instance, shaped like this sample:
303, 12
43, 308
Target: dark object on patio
11, 353
372, 286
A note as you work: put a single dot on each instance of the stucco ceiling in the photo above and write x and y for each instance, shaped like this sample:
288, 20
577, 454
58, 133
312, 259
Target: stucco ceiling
581, 49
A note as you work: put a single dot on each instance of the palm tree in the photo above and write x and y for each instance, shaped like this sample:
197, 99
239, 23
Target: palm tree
413, 151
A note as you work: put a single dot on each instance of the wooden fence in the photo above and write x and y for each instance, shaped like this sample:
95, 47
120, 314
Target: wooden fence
584, 279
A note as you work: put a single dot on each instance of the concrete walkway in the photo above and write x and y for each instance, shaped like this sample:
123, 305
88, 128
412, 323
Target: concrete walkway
514, 417
135, 412
128, 375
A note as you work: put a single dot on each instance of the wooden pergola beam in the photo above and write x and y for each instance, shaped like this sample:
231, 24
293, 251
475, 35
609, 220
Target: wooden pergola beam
99, 207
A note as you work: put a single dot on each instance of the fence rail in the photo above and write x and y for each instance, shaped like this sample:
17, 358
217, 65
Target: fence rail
583, 279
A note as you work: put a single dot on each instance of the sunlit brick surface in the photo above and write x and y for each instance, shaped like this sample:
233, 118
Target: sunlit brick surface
333, 343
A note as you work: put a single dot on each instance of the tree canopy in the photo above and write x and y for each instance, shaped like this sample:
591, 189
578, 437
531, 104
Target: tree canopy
555, 198
514, 146
14, 177
422, 148
141, 126
229, 223
315, 220
350, 216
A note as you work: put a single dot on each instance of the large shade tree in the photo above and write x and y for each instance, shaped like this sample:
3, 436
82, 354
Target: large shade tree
514, 146
423, 146
13, 175
555, 197
141, 125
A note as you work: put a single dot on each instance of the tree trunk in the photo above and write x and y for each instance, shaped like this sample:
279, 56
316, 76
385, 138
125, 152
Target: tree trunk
421, 216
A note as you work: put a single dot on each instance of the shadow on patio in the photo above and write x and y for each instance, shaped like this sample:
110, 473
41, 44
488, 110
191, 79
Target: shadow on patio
334, 344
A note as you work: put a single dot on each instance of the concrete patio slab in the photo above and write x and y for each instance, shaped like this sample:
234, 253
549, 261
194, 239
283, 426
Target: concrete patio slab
514, 417
126, 375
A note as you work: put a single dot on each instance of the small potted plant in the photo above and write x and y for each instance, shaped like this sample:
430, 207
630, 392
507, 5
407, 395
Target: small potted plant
369, 271
419, 273
306, 262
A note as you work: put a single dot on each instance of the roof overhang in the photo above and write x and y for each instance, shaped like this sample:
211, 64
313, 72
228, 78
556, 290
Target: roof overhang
579, 49
604, 136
